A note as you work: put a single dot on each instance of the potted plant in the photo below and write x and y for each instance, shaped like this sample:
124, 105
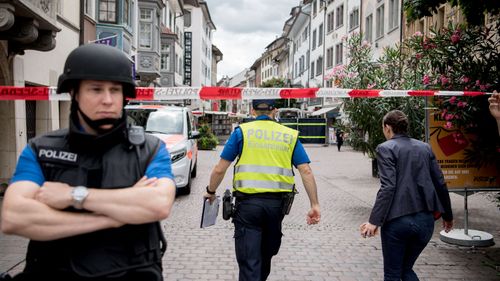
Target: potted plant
207, 140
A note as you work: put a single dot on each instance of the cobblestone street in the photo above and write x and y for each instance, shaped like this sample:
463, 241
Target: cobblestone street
331, 250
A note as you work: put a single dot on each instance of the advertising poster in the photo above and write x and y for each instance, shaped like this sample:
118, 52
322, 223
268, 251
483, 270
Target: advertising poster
467, 154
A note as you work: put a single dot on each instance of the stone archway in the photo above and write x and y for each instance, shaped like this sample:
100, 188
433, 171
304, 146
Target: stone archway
7, 119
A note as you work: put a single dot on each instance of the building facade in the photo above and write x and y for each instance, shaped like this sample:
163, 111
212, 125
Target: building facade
172, 44
299, 53
216, 58
272, 59
381, 24
198, 44
28, 31
317, 39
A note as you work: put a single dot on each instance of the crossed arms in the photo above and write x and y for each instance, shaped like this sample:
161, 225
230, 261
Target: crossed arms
37, 212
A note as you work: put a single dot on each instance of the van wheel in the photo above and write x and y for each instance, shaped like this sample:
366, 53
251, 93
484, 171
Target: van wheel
193, 172
187, 189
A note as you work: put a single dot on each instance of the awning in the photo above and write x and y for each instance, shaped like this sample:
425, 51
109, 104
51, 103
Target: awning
199, 112
323, 111
230, 114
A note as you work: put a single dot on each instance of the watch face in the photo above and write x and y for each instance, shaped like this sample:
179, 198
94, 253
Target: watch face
80, 193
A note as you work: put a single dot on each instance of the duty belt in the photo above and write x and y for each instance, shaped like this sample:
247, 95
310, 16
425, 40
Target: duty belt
267, 195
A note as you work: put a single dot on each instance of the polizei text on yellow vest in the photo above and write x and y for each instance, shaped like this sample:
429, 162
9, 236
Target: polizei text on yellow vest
265, 164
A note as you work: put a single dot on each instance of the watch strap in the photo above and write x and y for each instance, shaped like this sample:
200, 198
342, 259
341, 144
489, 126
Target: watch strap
210, 192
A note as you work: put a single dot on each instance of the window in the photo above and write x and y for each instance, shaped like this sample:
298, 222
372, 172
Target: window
177, 69
369, 28
440, 19
170, 18
126, 12
315, 10
421, 25
314, 40
165, 57
180, 66
107, 11
295, 74
304, 34
380, 22
340, 16
312, 69
329, 22
338, 54
319, 66
189, 124
329, 57
146, 28
320, 35
393, 14
89, 8
354, 19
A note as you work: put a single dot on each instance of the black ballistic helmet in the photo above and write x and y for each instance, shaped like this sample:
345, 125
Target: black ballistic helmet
97, 62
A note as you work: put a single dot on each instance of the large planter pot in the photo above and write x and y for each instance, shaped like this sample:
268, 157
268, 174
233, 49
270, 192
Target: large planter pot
374, 168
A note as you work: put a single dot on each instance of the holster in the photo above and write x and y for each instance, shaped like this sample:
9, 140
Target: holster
288, 202
227, 205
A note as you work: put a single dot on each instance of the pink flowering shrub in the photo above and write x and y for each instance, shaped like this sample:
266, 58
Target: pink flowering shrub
365, 115
452, 59
462, 59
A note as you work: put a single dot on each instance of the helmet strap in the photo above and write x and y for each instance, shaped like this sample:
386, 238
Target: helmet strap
95, 124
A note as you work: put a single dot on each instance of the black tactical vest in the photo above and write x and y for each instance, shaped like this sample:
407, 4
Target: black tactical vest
105, 252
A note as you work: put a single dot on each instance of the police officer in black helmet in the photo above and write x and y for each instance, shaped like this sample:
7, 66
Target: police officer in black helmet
89, 198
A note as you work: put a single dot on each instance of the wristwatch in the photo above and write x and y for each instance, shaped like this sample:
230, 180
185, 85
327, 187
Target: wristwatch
79, 194
210, 192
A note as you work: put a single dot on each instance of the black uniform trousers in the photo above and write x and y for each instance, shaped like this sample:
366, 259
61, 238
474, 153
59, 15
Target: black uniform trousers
150, 273
257, 235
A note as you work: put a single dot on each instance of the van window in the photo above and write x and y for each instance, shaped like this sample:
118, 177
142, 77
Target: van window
166, 122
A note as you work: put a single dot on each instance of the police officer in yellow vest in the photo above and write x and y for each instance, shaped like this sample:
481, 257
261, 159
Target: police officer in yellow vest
263, 181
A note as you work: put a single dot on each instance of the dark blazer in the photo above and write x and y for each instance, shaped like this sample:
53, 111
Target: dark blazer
410, 181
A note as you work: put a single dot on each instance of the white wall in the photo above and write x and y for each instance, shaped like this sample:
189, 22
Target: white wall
52, 62
390, 36
317, 52
173, 19
179, 51
299, 48
200, 42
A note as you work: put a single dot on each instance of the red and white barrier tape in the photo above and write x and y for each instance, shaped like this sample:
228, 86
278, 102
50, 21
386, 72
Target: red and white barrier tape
223, 93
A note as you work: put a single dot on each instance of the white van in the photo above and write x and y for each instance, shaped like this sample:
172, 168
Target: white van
175, 127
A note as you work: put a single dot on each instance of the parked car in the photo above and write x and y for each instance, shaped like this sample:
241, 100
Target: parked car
176, 128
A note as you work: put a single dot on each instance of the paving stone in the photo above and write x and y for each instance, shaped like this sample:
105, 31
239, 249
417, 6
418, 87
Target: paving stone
330, 251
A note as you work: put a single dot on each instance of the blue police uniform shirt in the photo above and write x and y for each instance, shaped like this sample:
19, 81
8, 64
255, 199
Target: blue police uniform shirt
28, 168
234, 145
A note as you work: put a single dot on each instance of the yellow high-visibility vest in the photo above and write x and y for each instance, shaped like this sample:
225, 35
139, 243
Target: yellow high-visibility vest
265, 163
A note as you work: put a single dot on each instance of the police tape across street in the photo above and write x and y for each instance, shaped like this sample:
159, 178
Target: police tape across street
222, 93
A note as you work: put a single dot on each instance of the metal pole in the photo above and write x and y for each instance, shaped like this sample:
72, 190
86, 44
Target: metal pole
466, 214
